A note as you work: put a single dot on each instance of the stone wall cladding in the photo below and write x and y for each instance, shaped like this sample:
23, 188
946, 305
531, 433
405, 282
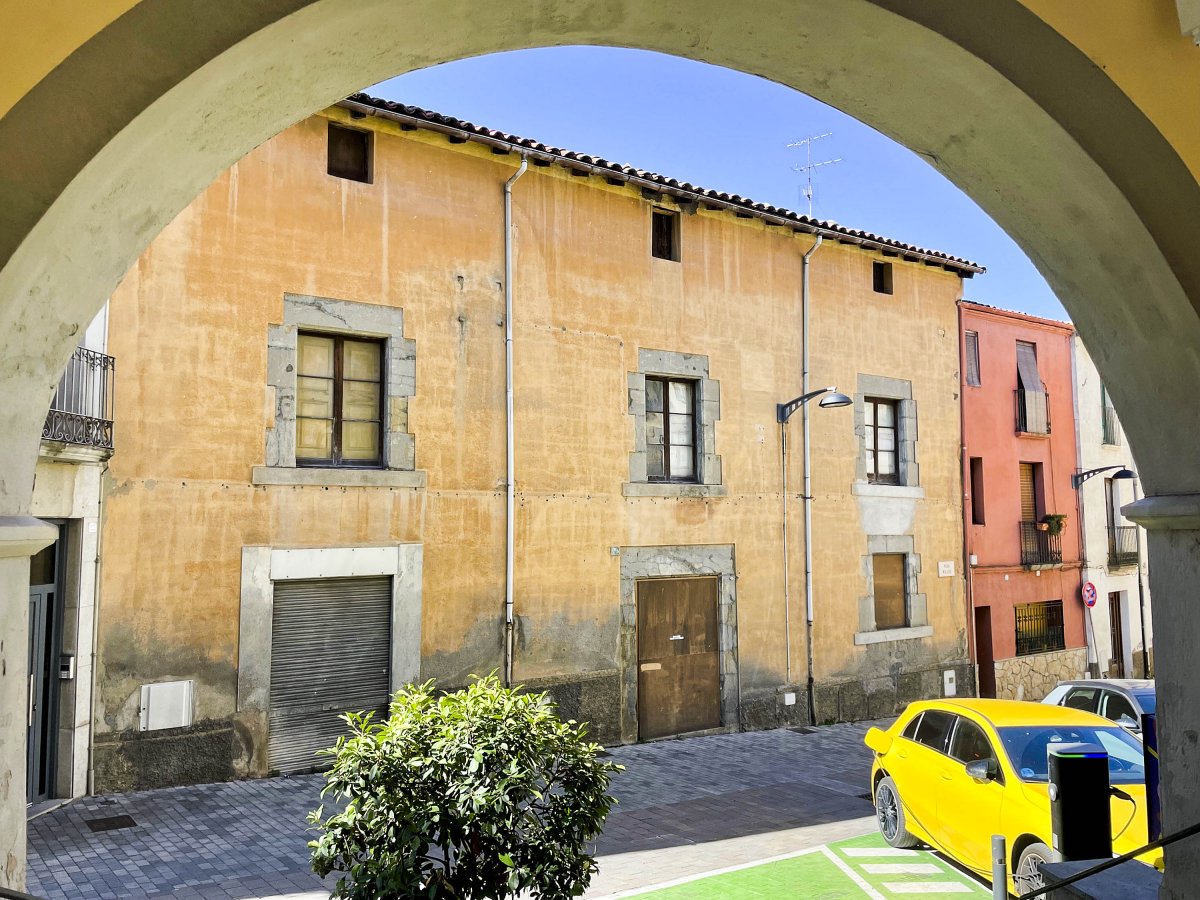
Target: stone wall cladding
876, 698
1033, 677
593, 700
204, 753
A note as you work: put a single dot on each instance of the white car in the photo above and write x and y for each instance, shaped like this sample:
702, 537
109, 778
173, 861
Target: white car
1123, 700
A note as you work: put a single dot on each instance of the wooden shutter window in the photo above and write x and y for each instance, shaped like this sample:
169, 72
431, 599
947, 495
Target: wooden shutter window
664, 234
890, 607
973, 359
1028, 497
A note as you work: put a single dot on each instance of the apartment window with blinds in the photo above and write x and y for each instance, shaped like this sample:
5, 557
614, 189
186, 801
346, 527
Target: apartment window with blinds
1033, 408
891, 606
339, 401
972, 350
670, 429
880, 440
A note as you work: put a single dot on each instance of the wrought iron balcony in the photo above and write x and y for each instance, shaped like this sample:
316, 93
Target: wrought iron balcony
1112, 430
81, 411
1038, 546
1122, 545
1033, 411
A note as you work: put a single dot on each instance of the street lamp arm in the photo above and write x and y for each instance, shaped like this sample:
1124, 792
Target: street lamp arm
1079, 478
783, 411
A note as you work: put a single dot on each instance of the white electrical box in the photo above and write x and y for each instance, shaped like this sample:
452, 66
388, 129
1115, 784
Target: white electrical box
946, 568
950, 688
167, 704
789, 698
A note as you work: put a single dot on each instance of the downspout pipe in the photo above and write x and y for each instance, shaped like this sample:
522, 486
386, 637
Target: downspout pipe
808, 590
510, 485
968, 506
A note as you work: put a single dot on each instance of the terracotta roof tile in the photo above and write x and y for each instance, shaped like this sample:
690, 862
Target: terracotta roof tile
418, 116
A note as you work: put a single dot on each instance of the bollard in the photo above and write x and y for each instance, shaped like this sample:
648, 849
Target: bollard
1153, 798
999, 868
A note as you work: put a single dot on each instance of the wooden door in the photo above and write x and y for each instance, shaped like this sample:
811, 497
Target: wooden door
1116, 636
984, 657
679, 683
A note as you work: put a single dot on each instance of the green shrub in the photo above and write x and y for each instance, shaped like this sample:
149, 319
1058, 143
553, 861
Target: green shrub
479, 793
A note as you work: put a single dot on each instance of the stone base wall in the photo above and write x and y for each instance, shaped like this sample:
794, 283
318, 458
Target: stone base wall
203, 753
1033, 677
593, 699
877, 698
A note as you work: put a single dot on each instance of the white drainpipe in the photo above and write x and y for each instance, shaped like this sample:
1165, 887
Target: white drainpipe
510, 467
808, 591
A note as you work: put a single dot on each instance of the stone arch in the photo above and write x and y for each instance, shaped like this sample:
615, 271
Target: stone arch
98, 160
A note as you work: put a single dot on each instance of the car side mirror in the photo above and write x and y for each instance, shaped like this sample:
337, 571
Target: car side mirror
1127, 722
982, 770
879, 741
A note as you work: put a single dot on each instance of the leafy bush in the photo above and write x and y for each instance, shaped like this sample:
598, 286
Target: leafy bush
479, 793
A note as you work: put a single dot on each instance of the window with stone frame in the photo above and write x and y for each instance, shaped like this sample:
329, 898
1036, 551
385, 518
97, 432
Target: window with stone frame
670, 429
339, 377
885, 423
890, 579
674, 406
880, 444
339, 400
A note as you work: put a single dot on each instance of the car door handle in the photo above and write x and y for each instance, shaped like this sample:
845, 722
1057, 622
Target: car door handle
945, 776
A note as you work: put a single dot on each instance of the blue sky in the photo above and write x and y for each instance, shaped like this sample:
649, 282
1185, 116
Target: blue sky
728, 131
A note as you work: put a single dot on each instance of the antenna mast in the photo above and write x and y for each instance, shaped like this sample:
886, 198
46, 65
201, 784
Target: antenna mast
807, 190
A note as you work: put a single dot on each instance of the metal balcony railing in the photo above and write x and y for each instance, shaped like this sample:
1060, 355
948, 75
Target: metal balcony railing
1039, 547
81, 411
1039, 627
1033, 411
1122, 545
1112, 429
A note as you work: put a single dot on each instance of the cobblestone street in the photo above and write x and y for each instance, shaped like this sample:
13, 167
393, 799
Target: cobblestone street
685, 807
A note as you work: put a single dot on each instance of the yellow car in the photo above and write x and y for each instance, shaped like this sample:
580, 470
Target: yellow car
951, 773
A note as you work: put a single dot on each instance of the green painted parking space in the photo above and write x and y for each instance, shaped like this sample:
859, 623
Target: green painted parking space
853, 868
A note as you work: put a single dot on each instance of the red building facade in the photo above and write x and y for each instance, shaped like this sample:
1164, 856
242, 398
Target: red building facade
1022, 532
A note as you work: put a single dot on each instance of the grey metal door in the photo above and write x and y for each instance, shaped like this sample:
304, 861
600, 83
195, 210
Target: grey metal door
37, 788
330, 653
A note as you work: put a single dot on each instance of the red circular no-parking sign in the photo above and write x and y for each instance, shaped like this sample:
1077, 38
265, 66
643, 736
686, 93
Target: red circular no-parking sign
1089, 594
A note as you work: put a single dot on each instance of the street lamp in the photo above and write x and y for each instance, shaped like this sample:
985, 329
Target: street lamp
1079, 478
783, 412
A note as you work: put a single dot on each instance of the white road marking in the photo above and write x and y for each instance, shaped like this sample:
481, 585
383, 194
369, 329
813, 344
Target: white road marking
926, 887
877, 851
633, 892
902, 869
854, 876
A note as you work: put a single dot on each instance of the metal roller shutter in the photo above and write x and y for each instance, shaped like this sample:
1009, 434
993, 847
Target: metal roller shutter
330, 653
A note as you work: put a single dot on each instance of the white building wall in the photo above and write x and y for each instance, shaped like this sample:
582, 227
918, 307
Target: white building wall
1122, 581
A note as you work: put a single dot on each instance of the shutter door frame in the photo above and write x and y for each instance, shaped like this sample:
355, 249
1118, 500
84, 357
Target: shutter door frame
331, 649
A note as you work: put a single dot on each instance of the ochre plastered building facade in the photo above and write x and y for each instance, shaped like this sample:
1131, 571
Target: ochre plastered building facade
202, 505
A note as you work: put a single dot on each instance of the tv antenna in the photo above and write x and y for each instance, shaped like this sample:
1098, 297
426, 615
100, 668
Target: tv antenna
807, 143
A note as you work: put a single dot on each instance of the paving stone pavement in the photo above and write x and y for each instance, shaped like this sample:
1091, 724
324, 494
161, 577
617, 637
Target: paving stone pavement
685, 806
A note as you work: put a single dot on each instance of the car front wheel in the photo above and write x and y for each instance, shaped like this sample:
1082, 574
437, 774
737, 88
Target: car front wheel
889, 812
1028, 876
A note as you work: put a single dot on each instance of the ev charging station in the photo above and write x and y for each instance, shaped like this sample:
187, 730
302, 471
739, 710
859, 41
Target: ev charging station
1080, 816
